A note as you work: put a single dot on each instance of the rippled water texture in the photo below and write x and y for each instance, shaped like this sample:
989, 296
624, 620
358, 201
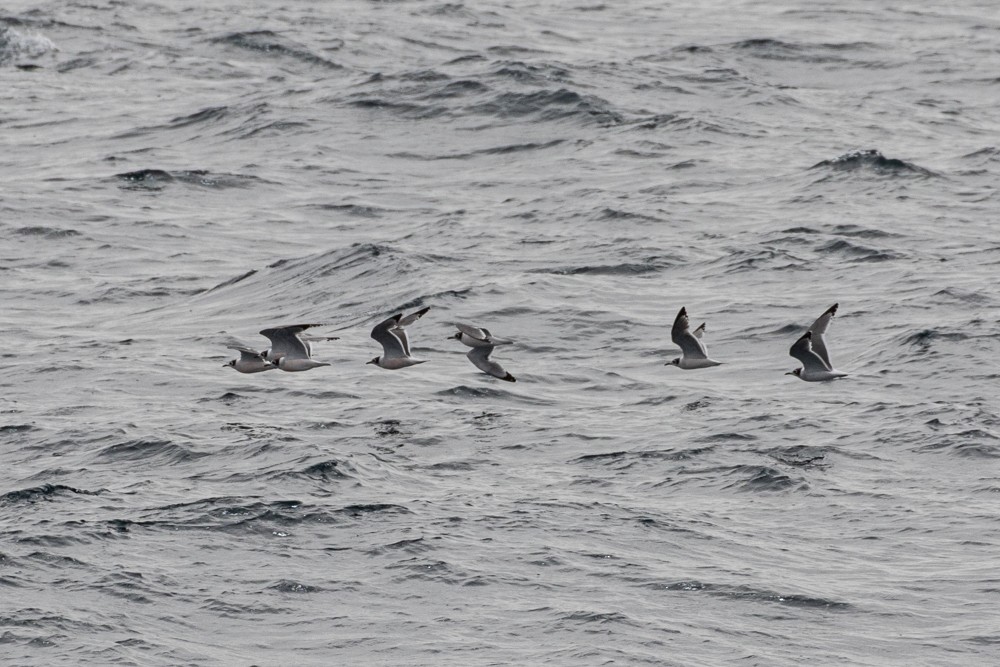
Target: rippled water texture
178, 176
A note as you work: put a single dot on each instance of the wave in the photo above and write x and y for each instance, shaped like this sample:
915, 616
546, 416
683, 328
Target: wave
506, 149
800, 455
15, 45
270, 44
771, 259
157, 179
550, 105
624, 269
158, 452
751, 594
873, 161
925, 338
46, 492
775, 49
539, 73
850, 230
976, 443
426, 94
763, 479
622, 460
289, 586
857, 253
47, 232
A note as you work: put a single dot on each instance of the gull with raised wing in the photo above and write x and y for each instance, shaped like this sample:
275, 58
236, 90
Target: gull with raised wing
250, 361
811, 350
693, 351
391, 334
482, 343
289, 351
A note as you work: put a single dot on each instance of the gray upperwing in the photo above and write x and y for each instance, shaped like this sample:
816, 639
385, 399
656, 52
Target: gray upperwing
480, 357
399, 330
246, 353
285, 341
309, 340
392, 346
802, 350
822, 322
412, 317
682, 337
818, 330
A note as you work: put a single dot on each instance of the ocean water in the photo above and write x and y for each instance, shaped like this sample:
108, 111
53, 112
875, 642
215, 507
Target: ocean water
178, 176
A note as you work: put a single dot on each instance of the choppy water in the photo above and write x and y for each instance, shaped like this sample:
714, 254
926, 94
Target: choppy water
178, 176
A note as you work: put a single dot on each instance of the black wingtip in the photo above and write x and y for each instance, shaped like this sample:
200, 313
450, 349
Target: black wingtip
833, 309
423, 311
509, 378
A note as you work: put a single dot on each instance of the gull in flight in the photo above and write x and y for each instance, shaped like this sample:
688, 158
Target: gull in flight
811, 350
391, 333
693, 352
289, 351
250, 361
482, 343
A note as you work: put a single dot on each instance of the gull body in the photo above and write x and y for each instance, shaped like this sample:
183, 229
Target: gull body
250, 361
477, 336
811, 350
391, 334
482, 343
693, 352
289, 351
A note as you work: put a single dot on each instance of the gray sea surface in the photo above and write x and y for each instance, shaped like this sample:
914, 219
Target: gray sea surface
176, 176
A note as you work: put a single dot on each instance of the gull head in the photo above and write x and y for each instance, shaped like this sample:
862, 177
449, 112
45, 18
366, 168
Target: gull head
231, 364
797, 372
457, 336
373, 361
674, 362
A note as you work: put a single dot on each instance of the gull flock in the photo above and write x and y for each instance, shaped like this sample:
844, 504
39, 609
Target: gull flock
291, 350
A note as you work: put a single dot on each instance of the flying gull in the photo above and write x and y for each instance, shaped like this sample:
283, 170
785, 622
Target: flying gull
693, 352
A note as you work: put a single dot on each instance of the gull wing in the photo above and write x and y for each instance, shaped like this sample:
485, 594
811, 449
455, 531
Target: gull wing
480, 357
393, 347
681, 334
473, 332
802, 350
246, 353
818, 331
285, 341
412, 317
309, 340
399, 331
